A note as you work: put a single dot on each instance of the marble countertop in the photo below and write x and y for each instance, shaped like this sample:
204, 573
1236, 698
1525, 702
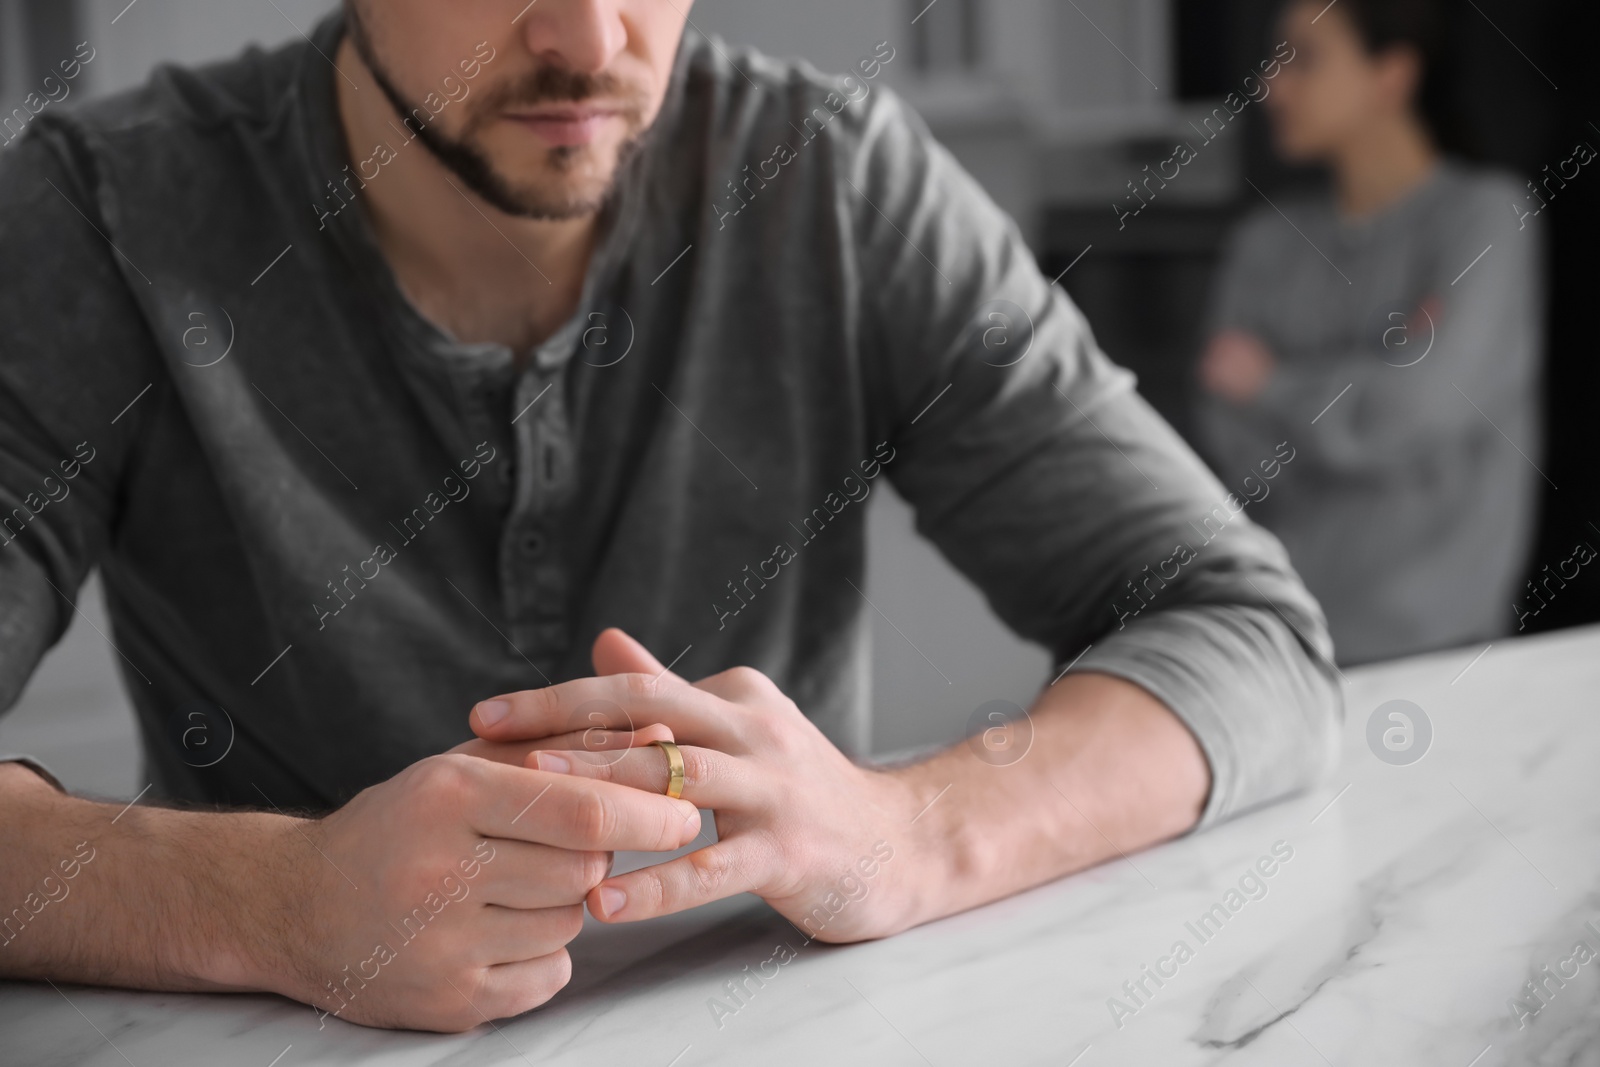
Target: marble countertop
1409, 906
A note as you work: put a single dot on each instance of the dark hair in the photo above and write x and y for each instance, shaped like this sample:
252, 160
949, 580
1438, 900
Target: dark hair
1418, 25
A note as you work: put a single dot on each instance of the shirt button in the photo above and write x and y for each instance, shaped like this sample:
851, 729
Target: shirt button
533, 543
551, 464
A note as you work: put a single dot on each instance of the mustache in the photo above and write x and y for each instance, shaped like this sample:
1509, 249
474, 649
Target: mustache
560, 85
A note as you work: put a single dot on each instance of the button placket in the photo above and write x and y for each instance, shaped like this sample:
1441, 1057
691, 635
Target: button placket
533, 573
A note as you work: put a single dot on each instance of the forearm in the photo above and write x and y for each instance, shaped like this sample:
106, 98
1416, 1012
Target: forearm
145, 897
1110, 770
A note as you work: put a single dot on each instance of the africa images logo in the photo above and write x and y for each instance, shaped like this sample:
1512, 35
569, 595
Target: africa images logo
1399, 732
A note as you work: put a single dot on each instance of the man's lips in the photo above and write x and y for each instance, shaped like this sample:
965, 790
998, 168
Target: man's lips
573, 125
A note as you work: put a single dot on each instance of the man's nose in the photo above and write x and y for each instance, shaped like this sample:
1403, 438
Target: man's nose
580, 35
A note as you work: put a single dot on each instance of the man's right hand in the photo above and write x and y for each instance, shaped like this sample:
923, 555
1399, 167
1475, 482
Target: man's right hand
437, 900
444, 897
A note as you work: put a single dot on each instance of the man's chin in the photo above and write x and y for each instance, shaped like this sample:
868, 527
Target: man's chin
547, 209
543, 189
556, 183
554, 198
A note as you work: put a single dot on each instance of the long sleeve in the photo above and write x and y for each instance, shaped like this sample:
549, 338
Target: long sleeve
74, 358
1391, 395
1039, 471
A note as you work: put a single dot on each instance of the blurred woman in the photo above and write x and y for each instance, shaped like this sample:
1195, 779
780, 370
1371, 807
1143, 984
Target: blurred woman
1388, 332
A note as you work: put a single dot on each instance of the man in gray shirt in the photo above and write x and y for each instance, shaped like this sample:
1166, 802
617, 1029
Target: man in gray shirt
449, 355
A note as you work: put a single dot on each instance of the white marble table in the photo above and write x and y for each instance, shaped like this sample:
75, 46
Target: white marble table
1418, 901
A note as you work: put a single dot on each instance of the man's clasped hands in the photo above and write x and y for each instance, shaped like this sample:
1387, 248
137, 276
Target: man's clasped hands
445, 896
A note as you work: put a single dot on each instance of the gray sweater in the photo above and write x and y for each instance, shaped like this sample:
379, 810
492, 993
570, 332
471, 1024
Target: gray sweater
317, 512
1410, 504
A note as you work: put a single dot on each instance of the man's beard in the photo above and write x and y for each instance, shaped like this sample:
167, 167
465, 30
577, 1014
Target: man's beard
462, 156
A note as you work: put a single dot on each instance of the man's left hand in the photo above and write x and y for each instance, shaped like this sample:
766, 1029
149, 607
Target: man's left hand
797, 822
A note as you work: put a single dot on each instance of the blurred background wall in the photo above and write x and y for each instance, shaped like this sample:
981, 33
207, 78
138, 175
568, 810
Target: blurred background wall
1056, 106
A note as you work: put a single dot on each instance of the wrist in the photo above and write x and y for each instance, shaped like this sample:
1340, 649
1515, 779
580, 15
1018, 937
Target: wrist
254, 900
929, 861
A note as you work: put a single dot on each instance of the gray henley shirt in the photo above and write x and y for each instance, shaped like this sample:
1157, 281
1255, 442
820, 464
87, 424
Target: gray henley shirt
318, 513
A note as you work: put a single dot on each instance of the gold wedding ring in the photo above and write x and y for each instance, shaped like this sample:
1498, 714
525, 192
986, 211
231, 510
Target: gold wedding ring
674, 768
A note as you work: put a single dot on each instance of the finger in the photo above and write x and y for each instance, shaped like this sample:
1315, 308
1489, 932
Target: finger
588, 720
711, 779
564, 811
602, 740
617, 652
510, 935
725, 869
740, 685
643, 698
510, 989
511, 753
523, 875
515, 753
